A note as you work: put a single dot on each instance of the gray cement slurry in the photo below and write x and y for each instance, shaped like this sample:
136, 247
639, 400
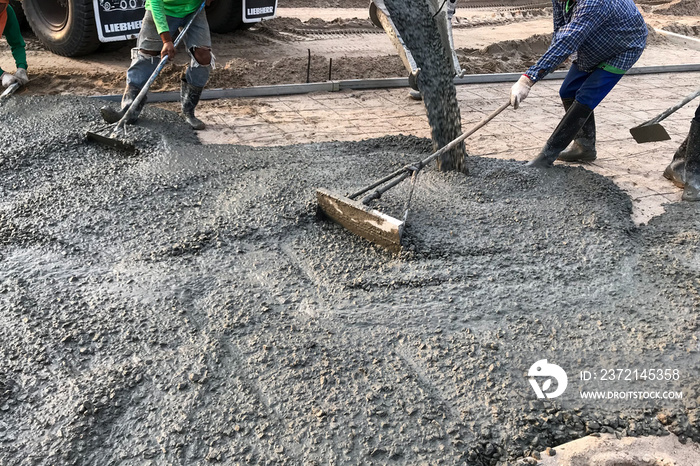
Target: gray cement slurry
185, 304
416, 26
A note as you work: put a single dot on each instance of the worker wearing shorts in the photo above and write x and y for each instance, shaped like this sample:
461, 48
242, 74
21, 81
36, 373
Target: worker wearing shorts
607, 37
9, 27
163, 20
684, 169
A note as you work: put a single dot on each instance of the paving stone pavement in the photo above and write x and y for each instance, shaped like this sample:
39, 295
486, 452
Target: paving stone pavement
515, 134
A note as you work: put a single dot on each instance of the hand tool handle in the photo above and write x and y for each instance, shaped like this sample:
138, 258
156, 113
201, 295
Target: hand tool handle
10, 89
163, 61
407, 170
378, 193
673, 109
464, 136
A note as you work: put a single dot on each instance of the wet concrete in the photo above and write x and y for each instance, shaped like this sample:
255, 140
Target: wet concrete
185, 304
416, 25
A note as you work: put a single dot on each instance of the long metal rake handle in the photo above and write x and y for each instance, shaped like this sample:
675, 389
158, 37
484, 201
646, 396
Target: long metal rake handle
673, 109
144, 90
10, 89
409, 170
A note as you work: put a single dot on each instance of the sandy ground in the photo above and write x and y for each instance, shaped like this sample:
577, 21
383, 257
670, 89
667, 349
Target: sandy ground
607, 450
276, 52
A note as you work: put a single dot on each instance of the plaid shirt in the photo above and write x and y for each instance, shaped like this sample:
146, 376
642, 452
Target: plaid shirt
602, 33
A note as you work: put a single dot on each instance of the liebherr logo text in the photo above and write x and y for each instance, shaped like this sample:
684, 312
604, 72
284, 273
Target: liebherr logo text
118, 27
260, 11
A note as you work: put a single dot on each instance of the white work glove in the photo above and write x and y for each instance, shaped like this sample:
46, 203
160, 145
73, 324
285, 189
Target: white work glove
8, 79
520, 90
21, 76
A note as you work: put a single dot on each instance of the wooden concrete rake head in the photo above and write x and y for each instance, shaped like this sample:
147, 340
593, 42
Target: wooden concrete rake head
377, 227
357, 218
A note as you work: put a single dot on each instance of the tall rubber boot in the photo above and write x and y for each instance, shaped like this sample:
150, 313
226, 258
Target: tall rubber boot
692, 164
110, 115
190, 96
675, 171
583, 147
568, 128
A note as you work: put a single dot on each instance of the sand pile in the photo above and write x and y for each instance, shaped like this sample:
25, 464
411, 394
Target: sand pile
683, 29
185, 304
680, 8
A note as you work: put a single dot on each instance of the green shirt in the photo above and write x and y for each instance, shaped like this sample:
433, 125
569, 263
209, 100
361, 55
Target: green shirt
175, 8
15, 40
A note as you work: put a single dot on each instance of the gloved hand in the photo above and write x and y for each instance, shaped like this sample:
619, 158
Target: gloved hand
520, 90
21, 75
8, 79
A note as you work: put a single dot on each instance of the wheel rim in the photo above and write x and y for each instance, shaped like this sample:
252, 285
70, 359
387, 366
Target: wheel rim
54, 12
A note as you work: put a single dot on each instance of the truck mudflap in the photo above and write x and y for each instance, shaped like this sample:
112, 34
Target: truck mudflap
257, 10
118, 20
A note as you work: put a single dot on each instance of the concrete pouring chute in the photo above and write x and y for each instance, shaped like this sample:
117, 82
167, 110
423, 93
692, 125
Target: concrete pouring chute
442, 13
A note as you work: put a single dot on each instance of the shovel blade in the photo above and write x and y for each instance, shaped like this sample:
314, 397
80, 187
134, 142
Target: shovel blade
372, 225
112, 142
649, 133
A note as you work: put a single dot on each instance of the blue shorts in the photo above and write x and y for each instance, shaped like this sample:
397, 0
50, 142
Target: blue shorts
588, 89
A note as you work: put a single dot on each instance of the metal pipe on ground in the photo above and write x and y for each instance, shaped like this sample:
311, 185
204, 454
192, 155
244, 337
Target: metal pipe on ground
376, 83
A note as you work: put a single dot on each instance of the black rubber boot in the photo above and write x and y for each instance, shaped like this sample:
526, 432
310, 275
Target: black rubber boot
190, 96
675, 170
568, 128
415, 95
110, 115
692, 164
583, 147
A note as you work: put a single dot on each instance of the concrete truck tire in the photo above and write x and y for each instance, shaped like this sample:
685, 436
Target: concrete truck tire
225, 16
65, 27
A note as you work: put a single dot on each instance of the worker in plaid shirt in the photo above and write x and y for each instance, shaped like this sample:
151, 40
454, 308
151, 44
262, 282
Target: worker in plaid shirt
606, 37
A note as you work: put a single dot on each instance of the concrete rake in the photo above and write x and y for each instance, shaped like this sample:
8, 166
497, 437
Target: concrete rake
379, 228
113, 139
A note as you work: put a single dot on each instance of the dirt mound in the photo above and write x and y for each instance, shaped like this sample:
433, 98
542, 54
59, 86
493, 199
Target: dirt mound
680, 8
185, 304
509, 56
684, 29
537, 44
655, 38
296, 25
323, 4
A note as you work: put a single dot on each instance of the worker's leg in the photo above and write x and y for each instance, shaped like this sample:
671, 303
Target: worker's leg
144, 60
587, 94
692, 161
582, 149
675, 171
198, 43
